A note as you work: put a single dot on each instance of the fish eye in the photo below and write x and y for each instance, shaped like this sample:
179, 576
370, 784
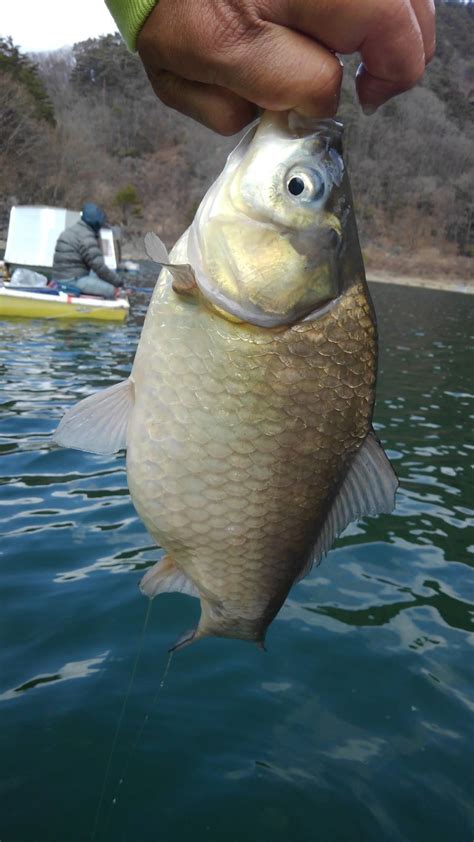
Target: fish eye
296, 185
306, 185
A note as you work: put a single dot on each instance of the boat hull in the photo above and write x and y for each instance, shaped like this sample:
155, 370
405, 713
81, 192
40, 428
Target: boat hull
37, 306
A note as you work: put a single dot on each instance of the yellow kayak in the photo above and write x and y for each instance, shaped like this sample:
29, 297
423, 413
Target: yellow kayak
44, 305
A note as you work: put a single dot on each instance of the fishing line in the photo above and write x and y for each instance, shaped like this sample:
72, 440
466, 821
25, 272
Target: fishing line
139, 736
119, 722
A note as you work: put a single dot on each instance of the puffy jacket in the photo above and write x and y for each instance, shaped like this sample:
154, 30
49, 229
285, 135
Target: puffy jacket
77, 253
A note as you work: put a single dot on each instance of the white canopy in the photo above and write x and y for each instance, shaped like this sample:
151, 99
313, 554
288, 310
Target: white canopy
33, 231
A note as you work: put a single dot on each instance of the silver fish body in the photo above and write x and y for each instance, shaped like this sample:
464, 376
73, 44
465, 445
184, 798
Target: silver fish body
248, 412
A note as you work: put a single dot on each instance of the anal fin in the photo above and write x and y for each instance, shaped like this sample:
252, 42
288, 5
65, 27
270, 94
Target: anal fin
165, 577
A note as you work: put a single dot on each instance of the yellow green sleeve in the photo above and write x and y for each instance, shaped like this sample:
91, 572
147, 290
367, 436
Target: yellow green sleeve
130, 15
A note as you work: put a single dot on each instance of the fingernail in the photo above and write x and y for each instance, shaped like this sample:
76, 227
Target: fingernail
369, 109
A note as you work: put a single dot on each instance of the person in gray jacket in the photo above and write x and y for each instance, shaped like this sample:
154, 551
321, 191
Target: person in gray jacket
79, 259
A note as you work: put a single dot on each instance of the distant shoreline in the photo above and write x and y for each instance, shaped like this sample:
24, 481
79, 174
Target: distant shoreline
455, 285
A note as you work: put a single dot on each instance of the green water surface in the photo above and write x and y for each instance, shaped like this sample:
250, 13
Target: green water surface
357, 725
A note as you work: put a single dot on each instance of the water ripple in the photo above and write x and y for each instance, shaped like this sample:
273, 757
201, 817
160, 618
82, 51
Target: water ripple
356, 720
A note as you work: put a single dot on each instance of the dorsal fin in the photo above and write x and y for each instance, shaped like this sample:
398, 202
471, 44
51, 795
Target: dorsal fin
184, 281
98, 424
368, 489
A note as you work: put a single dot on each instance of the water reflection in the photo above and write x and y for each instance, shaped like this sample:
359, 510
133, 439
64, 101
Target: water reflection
452, 610
121, 562
360, 711
77, 669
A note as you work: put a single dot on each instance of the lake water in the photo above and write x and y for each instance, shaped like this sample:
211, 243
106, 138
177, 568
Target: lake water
357, 725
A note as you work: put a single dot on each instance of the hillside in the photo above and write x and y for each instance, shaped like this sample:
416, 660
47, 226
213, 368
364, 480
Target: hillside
89, 127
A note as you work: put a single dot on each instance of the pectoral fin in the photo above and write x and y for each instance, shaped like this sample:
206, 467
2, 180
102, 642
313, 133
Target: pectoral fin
184, 281
156, 249
165, 577
368, 489
98, 424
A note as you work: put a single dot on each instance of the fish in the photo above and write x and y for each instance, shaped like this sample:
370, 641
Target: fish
247, 416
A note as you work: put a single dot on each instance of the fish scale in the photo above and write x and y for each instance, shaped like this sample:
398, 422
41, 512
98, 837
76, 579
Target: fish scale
269, 463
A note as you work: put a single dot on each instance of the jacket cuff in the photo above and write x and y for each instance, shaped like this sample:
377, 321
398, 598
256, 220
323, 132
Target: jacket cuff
130, 15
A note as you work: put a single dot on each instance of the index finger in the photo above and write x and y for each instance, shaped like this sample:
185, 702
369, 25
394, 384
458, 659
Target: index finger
394, 56
393, 36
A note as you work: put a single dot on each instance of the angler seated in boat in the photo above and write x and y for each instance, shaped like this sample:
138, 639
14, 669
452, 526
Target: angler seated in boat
78, 259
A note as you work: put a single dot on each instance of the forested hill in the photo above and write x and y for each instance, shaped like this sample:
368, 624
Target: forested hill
84, 124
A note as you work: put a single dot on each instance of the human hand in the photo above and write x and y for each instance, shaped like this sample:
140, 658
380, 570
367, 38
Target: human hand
217, 60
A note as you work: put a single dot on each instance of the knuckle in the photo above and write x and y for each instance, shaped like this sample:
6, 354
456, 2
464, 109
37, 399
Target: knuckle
327, 87
227, 122
166, 87
232, 27
236, 20
330, 78
412, 75
395, 12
